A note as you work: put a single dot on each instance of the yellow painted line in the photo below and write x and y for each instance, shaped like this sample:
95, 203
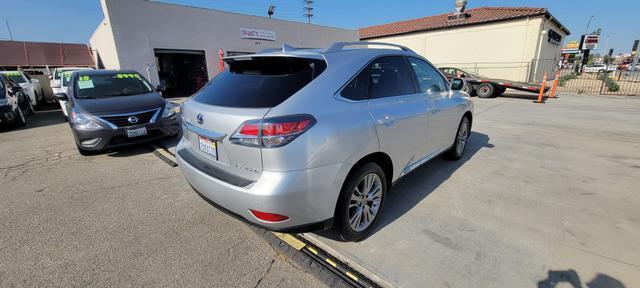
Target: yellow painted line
354, 277
331, 262
292, 241
313, 250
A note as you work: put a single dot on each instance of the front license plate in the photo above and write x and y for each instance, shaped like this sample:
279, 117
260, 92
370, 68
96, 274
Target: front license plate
137, 132
208, 146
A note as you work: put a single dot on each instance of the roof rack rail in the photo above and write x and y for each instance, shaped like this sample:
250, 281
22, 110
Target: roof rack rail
339, 46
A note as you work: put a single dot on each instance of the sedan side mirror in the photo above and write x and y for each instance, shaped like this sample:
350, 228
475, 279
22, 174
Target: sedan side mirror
457, 84
161, 88
62, 96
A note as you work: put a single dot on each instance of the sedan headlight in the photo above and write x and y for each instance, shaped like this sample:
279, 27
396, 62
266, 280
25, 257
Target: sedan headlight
169, 109
82, 121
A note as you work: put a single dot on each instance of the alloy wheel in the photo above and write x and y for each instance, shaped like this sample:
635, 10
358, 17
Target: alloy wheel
365, 201
463, 135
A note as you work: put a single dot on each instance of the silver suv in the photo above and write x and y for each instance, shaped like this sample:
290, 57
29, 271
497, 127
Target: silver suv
298, 140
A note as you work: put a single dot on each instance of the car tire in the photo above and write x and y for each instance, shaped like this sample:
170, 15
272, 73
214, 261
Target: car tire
353, 203
460, 143
485, 90
468, 88
30, 109
20, 119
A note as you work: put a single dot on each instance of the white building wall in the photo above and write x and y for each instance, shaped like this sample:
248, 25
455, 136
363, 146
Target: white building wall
103, 45
140, 26
502, 50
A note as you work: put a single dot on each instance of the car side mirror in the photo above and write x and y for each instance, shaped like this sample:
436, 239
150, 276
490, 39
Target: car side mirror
62, 96
457, 84
50, 77
161, 88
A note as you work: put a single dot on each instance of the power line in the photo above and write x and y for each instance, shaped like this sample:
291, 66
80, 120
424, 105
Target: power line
308, 9
6, 21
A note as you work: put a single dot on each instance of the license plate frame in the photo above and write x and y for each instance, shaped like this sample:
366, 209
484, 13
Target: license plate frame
137, 132
208, 146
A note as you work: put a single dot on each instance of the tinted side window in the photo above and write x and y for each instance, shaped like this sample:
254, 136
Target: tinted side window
429, 80
390, 76
358, 88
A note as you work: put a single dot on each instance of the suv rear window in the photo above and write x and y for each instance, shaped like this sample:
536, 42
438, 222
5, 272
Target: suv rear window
260, 82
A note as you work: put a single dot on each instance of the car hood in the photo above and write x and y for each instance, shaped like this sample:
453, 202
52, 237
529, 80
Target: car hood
120, 104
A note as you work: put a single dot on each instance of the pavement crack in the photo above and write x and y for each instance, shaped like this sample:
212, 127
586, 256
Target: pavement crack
265, 273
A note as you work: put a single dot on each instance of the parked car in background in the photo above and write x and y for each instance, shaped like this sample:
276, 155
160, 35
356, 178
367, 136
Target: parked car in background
485, 87
111, 108
56, 76
599, 68
14, 103
30, 85
62, 86
287, 142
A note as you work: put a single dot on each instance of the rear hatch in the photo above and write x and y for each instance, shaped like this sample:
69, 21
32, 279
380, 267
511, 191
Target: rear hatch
246, 91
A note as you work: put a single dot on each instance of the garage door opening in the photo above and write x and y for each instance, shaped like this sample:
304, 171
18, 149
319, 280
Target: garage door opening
183, 72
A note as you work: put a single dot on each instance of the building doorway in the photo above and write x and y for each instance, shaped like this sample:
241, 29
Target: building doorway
182, 72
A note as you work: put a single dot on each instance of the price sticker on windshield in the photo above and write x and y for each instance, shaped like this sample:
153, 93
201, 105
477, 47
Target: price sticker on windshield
127, 75
85, 82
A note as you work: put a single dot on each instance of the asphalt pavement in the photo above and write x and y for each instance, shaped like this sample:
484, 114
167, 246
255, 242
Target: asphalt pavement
123, 218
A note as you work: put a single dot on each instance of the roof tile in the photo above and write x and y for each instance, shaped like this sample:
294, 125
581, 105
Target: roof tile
476, 16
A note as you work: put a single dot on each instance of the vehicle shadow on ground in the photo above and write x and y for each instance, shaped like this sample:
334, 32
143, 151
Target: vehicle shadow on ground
410, 190
523, 96
40, 119
560, 278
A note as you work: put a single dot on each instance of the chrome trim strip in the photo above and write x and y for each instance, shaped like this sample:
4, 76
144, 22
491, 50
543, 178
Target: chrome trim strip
114, 127
424, 159
210, 134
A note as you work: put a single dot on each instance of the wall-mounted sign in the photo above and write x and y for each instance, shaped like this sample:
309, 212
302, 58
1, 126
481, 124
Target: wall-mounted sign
590, 42
554, 38
573, 44
250, 33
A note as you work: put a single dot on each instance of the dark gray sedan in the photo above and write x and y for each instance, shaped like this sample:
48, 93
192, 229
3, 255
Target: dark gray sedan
109, 108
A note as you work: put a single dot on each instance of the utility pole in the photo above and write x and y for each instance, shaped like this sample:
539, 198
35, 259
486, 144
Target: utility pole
6, 21
308, 9
586, 31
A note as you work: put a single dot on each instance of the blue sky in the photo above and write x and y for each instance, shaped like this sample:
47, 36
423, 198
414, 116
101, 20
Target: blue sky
75, 20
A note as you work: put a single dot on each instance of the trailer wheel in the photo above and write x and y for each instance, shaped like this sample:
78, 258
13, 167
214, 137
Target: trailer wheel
485, 90
468, 88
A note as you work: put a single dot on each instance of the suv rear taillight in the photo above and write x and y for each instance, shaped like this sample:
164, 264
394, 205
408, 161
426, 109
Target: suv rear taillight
272, 132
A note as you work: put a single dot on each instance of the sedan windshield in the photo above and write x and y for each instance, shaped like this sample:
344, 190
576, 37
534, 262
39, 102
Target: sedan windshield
16, 77
66, 77
110, 85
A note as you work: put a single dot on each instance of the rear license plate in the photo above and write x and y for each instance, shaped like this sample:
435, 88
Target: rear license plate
137, 132
208, 146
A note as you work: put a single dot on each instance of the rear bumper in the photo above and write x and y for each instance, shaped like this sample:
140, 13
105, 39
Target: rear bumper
106, 138
308, 197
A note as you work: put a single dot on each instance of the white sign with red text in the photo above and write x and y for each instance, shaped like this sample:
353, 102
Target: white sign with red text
250, 33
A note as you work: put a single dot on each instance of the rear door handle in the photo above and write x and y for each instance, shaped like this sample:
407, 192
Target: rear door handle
386, 120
